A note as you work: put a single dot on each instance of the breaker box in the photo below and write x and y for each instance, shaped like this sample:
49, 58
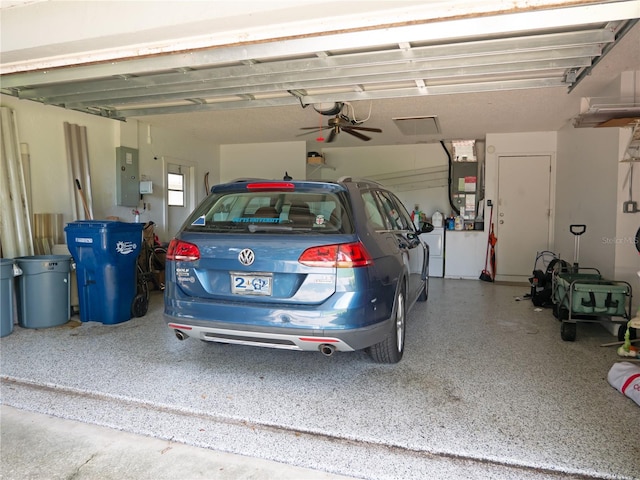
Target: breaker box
127, 177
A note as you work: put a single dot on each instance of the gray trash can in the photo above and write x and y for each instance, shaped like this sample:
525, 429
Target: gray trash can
7, 272
43, 291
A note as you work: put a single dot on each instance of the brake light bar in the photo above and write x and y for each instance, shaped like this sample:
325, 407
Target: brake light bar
270, 186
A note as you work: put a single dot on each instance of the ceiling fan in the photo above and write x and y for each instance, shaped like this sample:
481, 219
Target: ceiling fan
339, 123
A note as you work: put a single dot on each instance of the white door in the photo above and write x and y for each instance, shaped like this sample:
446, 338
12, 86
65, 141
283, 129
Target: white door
180, 195
522, 214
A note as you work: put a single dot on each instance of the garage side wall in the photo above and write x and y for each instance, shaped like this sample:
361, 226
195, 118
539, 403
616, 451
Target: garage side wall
587, 179
42, 128
627, 257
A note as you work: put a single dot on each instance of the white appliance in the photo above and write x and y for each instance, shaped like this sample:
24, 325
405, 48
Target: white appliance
435, 240
466, 253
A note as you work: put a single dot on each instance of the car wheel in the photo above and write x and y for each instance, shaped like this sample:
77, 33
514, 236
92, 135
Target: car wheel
424, 294
390, 350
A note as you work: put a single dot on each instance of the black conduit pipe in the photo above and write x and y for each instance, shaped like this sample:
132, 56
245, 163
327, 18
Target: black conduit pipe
453, 207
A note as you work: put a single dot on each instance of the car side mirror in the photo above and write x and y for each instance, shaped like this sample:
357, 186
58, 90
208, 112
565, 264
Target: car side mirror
426, 227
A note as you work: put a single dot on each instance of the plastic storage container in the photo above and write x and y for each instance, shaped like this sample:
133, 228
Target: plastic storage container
7, 308
436, 219
584, 293
43, 291
105, 253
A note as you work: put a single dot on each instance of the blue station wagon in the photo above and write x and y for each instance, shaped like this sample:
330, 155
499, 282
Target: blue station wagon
298, 265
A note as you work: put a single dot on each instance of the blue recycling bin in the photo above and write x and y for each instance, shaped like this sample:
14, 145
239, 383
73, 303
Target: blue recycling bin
105, 253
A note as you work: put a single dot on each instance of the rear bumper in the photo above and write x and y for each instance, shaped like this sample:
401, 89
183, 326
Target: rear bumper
344, 340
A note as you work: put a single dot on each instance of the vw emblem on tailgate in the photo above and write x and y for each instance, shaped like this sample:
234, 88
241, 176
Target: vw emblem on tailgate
246, 257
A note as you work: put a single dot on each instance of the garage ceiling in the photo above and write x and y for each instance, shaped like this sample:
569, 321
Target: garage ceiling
528, 55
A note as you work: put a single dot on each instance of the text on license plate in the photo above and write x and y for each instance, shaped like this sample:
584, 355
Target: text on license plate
251, 284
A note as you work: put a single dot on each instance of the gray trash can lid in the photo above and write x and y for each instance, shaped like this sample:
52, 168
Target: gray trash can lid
34, 264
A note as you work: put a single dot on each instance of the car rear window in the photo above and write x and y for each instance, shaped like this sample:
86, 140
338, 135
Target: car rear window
271, 212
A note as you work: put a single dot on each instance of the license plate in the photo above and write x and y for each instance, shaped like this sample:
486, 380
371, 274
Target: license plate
251, 284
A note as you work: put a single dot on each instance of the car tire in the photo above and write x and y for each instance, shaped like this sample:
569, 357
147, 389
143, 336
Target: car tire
391, 349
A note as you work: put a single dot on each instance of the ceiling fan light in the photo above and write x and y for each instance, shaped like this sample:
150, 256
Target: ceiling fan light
328, 108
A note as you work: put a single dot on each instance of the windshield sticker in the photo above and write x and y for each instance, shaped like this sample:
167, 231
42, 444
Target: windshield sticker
199, 221
320, 221
255, 220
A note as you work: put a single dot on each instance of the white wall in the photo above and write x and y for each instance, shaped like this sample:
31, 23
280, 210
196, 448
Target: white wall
263, 160
155, 146
627, 258
587, 175
42, 128
369, 162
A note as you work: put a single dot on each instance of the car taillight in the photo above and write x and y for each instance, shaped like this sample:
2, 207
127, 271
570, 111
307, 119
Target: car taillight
344, 255
182, 251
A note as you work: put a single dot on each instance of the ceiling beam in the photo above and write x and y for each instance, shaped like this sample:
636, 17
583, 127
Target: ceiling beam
344, 96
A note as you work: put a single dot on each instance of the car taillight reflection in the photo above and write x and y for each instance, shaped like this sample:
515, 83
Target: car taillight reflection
344, 255
182, 251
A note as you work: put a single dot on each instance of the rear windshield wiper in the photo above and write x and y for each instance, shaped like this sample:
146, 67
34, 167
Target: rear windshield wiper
260, 227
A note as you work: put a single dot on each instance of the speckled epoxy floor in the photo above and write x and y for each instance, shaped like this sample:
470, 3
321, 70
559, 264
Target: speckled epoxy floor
487, 389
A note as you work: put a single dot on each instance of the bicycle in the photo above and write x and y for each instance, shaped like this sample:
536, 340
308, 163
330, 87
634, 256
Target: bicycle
149, 270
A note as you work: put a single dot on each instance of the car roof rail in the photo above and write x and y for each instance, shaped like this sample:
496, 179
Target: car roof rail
349, 179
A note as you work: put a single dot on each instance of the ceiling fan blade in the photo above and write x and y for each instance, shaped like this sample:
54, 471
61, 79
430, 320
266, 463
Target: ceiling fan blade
332, 136
311, 130
366, 129
356, 134
315, 128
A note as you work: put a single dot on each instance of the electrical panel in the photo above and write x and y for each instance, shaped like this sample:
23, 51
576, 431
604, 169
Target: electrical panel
127, 177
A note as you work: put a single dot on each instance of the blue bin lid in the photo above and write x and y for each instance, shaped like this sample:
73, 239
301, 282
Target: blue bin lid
104, 224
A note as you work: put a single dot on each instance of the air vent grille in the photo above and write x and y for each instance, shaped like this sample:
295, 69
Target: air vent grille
424, 125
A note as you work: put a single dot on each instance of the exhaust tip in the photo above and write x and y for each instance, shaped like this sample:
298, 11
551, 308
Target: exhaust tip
180, 335
326, 349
